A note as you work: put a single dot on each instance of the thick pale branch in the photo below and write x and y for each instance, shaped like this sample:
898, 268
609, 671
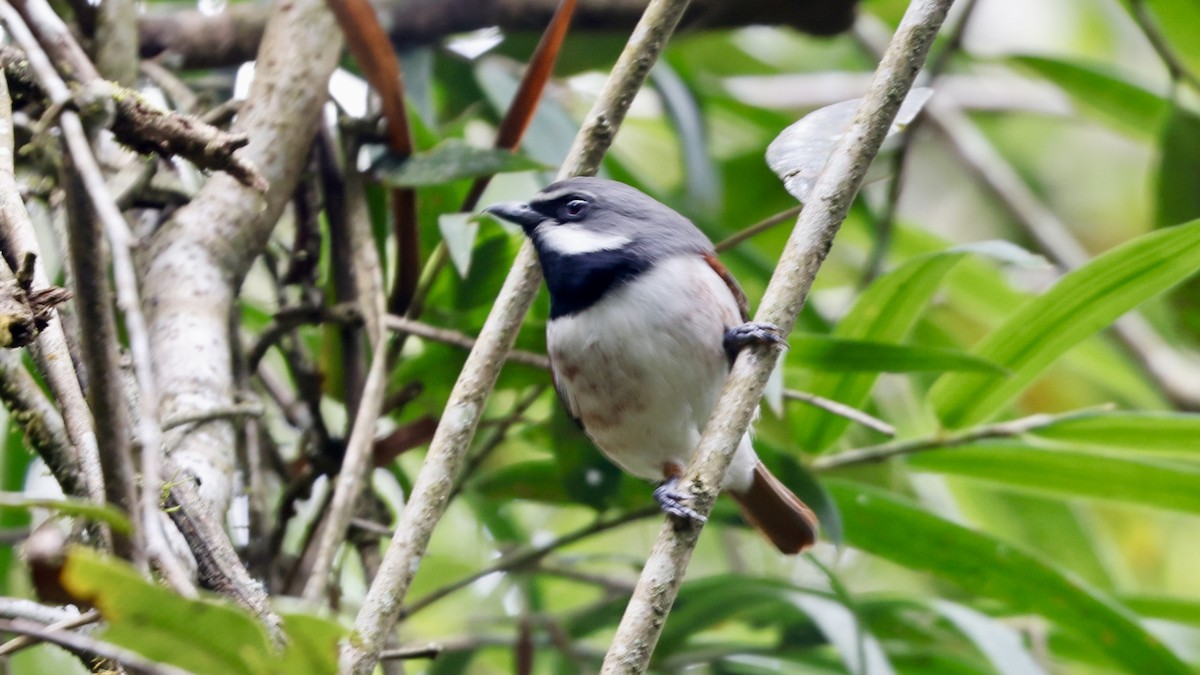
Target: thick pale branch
835, 189
195, 264
447, 452
228, 38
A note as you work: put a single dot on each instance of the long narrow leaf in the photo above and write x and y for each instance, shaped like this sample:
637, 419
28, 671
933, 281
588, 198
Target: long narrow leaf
837, 355
1078, 306
886, 311
1167, 433
1166, 485
1117, 100
1000, 643
883, 525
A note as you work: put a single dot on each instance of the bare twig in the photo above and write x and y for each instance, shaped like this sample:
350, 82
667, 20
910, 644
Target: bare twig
235, 411
138, 124
758, 228
530, 556
372, 303
29, 610
1175, 65
835, 188
1008, 429
410, 653
841, 410
41, 422
447, 452
51, 352
220, 568
66, 623
457, 339
84, 644
106, 387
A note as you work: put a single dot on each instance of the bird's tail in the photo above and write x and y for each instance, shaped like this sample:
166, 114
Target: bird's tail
780, 515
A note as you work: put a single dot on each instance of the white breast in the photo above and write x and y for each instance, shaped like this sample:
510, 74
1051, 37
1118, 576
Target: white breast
642, 368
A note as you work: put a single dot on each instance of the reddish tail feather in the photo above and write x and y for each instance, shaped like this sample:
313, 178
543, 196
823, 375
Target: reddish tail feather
780, 515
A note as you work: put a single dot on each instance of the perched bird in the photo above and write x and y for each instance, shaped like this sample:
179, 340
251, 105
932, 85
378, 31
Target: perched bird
644, 325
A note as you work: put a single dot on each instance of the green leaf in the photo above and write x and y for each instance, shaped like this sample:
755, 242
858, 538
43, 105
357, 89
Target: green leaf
586, 476
459, 231
859, 649
1179, 610
1177, 181
1079, 305
881, 524
448, 161
1116, 100
14, 463
312, 644
710, 601
1168, 433
837, 355
886, 311
1167, 485
536, 480
999, 642
202, 636
67, 506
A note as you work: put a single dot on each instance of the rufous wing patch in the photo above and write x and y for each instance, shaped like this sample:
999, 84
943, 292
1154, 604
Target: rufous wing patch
723, 272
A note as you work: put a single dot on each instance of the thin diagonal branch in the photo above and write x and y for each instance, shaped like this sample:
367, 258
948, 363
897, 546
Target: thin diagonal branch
16, 231
82, 643
447, 452
835, 189
137, 123
520, 559
1006, 429
372, 298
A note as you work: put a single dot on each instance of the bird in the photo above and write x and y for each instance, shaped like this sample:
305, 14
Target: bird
644, 325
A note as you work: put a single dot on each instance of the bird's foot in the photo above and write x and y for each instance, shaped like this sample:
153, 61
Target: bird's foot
674, 500
752, 333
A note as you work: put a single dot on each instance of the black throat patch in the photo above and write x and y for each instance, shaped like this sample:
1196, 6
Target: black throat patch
577, 282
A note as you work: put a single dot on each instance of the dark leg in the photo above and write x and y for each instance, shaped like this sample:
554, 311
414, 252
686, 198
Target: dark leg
751, 333
674, 501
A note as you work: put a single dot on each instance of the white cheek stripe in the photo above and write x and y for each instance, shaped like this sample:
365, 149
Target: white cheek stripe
575, 240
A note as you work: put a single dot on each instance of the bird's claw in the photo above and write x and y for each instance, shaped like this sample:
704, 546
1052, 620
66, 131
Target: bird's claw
675, 501
752, 333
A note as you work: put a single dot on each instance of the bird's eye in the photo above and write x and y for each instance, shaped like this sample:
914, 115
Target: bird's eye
574, 209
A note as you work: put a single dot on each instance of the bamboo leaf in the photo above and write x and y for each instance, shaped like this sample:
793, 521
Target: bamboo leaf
886, 311
1168, 433
448, 161
1079, 305
1000, 643
881, 524
1159, 483
832, 355
1114, 99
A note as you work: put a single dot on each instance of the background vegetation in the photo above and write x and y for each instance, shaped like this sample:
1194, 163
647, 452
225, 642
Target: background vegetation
1029, 503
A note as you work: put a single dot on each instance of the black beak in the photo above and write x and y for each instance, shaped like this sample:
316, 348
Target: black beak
518, 213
